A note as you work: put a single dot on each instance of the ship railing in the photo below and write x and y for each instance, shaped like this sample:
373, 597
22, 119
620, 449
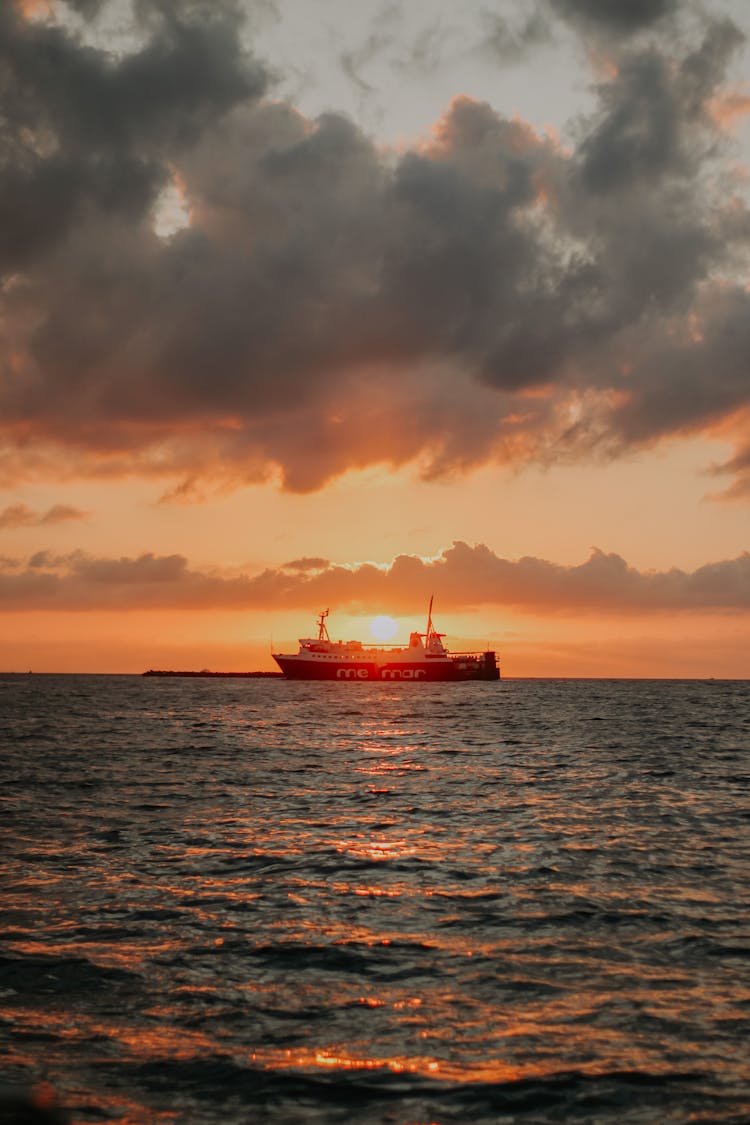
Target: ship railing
385, 648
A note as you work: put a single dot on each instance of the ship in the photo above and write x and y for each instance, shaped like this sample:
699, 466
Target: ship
424, 660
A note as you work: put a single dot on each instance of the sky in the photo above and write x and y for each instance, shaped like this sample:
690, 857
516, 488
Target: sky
307, 304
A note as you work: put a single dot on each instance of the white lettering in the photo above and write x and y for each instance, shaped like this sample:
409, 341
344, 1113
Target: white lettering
352, 674
402, 673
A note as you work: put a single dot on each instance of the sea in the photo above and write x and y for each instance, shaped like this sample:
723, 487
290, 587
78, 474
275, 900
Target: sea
254, 900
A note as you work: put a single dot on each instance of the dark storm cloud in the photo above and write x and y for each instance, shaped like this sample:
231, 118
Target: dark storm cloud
89, 9
488, 294
650, 110
462, 577
83, 132
614, 16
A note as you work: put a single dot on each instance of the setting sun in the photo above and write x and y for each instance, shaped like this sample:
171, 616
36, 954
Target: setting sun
383, 627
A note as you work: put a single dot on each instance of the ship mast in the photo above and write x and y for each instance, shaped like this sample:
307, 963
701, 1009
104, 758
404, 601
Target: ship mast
322, 631
433, 639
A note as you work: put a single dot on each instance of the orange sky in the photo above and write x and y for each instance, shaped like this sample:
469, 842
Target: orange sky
236, 538
255, 361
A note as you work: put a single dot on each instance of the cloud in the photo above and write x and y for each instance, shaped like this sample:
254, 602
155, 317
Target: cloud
307, 563
487, 295
62, 513
461, 577
379, 37
510, 37
20, 515
610, 17
739, 468
86, 137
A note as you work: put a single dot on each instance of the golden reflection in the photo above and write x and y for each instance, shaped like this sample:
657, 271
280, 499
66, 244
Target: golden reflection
116, 1105
396, 1065
383, 768
459, 1045
378, 849
339, 1058
428, 843
124, 955
425, 1066
142, 1041
556, 1026
376, 892
159, 1040
345, 933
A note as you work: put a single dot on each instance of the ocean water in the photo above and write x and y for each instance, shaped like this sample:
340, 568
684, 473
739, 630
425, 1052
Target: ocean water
259, 901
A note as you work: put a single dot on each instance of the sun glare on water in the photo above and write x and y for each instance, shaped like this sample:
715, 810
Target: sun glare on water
383, 628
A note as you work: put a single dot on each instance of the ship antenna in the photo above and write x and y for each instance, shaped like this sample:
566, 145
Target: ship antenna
429, 621
322, 631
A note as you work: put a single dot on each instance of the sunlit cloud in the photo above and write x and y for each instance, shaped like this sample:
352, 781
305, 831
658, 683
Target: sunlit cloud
730, 107
462, 577
171, 210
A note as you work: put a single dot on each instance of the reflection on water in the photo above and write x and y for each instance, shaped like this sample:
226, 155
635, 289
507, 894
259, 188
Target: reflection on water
233, 900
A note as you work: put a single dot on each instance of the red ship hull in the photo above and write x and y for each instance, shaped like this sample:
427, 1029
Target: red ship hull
439, 670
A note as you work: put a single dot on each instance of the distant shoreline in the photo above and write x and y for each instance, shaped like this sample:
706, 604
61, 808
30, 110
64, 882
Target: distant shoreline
205, 674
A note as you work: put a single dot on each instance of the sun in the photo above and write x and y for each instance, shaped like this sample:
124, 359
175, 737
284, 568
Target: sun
383, 627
